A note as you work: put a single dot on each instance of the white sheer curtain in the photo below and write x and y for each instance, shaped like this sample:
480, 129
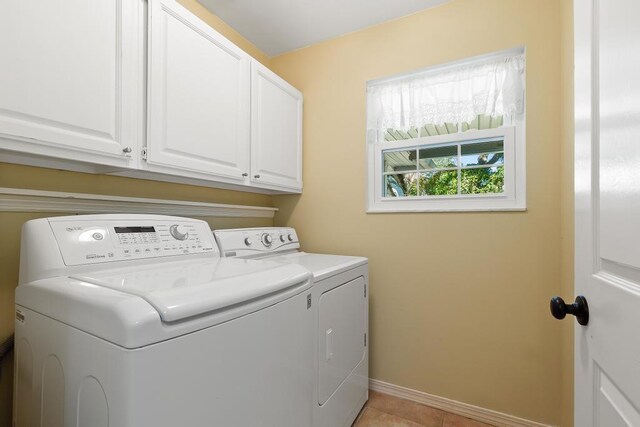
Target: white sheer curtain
493, 87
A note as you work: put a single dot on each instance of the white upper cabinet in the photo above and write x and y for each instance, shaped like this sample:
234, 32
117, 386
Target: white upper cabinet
276, 131
199, 89
72, 96
70, 78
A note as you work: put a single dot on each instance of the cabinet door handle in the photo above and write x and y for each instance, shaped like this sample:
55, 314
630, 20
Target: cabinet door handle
256, 176
126, 150
245, 174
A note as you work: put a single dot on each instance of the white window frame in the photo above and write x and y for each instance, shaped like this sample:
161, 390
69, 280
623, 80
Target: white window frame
513, 130
513, 198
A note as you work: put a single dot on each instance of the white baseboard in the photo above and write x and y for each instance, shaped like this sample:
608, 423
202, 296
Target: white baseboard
464, 409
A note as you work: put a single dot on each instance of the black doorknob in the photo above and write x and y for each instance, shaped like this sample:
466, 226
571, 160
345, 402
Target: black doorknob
580, 309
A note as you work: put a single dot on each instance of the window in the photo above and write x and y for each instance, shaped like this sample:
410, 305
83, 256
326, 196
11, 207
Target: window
448, 139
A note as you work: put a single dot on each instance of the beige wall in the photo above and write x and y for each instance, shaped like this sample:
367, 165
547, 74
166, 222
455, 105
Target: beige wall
459, 301
55, 180
566, 207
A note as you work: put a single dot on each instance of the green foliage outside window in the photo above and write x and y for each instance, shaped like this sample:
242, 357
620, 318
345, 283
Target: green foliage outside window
482, 180
481, 168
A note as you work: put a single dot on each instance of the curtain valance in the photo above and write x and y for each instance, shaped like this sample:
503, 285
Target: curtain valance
493, 87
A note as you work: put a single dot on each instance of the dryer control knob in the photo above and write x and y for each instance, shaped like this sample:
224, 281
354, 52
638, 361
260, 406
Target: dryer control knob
290, 237
282, 238
247, 241
178, 232
266, 239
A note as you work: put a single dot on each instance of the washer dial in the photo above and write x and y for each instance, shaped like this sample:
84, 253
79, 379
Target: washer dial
178, 232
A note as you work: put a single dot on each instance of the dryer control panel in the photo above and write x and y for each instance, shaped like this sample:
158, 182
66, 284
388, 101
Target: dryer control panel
93, 241
256, 241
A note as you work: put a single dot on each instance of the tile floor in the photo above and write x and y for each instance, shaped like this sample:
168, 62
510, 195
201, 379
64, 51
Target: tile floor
387, 411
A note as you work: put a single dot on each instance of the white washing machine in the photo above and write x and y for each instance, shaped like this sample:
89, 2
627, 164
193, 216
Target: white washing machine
136, 321
340, 304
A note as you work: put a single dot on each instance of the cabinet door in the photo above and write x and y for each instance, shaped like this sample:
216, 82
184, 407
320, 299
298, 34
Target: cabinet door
198, 96
276, 130
70, 79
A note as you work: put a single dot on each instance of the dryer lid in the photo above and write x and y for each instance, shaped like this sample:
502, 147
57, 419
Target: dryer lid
322, 266
179, 290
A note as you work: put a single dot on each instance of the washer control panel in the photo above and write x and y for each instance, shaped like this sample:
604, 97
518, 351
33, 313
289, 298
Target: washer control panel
256, 241
89, 242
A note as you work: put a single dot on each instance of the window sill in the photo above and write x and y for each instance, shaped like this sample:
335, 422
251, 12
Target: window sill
435, 210
459, 205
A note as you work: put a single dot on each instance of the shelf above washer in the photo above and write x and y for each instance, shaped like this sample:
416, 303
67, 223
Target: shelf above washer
23, 200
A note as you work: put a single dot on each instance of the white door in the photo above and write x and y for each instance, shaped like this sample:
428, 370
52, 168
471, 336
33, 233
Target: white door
70, 79
198, 96
607, 174
276, 130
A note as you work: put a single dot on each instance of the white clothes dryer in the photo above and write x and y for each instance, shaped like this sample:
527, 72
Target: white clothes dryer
136, 321
340, 303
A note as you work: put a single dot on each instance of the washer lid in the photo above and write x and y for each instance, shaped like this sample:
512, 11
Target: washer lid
183, 289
